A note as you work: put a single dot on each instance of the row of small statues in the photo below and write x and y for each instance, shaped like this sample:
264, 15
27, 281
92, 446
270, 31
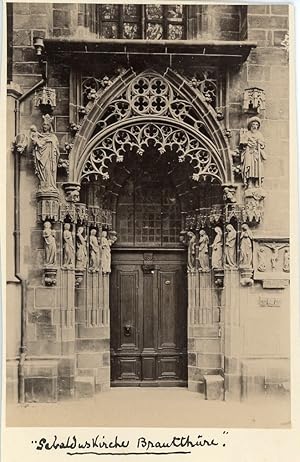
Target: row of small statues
220, 257
99, 249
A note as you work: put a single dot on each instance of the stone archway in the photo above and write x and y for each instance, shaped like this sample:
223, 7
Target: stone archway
137, 108
133, 113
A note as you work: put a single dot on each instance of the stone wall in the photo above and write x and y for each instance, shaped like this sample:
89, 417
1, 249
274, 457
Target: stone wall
261, 352
267, 67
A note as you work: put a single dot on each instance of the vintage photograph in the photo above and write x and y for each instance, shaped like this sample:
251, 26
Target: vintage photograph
147, 225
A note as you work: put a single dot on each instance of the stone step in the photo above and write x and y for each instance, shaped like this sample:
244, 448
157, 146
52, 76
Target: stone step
213, 387
84, 387
196, 386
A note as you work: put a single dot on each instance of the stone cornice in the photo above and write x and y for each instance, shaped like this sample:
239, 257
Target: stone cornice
236, 51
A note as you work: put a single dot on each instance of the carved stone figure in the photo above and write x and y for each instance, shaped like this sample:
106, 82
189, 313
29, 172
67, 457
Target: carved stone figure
286, 260
261, 255
81, 255
246, 252
217, 249
230, 246
203, 251
254, 99
21, 143
69, 250
50, 244
254, 205
275, 254
274, 258
191, 251
229, 194
253, 154
106, 243
73, 196
94, 252
46, 154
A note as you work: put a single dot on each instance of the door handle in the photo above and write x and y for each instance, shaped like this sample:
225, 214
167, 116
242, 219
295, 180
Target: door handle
127, 329
167, 282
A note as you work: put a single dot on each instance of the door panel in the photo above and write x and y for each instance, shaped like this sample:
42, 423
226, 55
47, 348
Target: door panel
128, 368
167, 309
148, 320
128, 307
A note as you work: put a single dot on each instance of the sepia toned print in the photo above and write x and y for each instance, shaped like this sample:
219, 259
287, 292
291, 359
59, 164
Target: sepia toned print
148, 252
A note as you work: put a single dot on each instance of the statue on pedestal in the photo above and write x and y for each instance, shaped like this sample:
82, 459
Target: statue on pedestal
230, 247
217, 249
50, 244
246, 251
203, 251
81, 255
69, 250
46, 154
106, 244
94, 252
191, 238
253, 154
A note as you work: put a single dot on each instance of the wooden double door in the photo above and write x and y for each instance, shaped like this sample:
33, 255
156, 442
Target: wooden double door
148, 302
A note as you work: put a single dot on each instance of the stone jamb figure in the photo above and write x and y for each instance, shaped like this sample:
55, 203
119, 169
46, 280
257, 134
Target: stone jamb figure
246, 249
191, 239
69, 250
81, 254
217, 249
46, 154
203, 257
94, 252
106, 244
253, 155
230, 247
50, 244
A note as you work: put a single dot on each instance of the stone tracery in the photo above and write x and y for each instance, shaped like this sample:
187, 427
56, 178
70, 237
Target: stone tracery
164, 137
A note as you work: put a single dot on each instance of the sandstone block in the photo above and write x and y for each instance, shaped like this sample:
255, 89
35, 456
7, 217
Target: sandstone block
214, 387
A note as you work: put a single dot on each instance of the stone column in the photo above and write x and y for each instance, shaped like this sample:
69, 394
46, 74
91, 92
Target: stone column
231, 339
204, 348
67, 364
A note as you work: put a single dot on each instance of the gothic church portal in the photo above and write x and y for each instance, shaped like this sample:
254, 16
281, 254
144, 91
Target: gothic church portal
148, 159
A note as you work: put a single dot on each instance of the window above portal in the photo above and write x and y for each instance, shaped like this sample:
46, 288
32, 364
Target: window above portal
131, 21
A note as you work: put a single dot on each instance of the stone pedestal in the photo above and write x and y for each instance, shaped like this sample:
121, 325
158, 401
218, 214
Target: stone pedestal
51, 333
204, 349
93, 334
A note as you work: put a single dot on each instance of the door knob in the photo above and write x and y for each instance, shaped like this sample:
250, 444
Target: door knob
167, 283
127, 330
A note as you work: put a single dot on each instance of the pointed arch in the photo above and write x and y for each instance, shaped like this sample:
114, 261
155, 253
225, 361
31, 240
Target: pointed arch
149, 106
